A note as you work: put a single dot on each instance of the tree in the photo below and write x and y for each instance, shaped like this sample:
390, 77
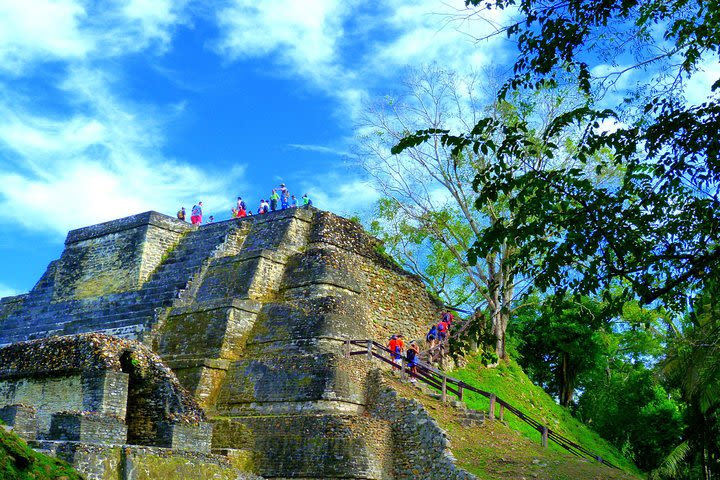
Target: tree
428, 217
693, 366
654, 232
627, 406
560, 345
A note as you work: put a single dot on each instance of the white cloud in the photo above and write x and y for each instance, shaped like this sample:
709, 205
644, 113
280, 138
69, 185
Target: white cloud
344, 194
36, 31
319, 149
6, 291
39, 30
429, 31
302, 35
99, 165
698, 88
350, 54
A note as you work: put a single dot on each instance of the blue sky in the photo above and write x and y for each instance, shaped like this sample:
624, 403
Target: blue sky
111, 108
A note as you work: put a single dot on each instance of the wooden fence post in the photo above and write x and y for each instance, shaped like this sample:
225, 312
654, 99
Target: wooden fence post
544, 439
491, 414
443, 394
347, 348
502, 412
403, 374
460, 392
369, 349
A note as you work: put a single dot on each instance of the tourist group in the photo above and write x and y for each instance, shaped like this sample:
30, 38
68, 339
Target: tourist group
279, 199
436, 337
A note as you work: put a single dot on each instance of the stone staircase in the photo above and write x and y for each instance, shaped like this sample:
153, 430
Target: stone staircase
251, 314
126, 314
466, 416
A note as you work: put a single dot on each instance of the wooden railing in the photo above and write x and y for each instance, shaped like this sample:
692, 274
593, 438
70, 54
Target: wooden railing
442, 346
448, 385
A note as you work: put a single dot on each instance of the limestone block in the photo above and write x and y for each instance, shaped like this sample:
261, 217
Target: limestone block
23, 420
208, 330
116, 256
88, 427
184, 436
313, 313
105, 391
202, 378
291, 383
322, 266
45, 395
145, 463
321, 446
92, 460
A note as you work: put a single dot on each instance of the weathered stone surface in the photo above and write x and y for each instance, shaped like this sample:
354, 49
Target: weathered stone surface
96, 373
106, 462
252, 315
89, 427
312, 446
422, 448
22, 419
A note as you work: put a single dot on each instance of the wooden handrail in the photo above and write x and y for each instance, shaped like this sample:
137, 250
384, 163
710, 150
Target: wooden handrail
429, 353
430, 375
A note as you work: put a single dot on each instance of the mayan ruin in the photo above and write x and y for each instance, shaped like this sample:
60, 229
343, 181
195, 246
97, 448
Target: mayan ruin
157, 349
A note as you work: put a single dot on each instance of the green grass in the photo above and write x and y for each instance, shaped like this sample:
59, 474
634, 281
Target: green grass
510, 383
495, 451
20, 462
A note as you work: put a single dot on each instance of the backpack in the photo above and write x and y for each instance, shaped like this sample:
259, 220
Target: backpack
432, 334
410, 354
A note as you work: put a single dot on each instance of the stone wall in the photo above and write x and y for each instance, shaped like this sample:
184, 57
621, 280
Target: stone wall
396, 301
95, 373
312, 446
251, 314
104, 462
46, 395
422, 450
84, 396
116, 256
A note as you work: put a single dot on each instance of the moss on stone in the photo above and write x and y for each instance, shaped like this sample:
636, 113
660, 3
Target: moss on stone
243, 460
100, 284
152, 467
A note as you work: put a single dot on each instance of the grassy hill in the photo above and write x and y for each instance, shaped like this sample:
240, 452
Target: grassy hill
511, 449
20, 462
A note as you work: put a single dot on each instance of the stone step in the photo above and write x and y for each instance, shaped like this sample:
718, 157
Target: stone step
471, 418
107, 324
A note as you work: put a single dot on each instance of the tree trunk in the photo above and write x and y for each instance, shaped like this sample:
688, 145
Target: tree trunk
566, 390
499, 325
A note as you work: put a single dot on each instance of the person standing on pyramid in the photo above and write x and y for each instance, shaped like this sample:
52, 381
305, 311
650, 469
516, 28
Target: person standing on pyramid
196, 214
274, 197
284, 197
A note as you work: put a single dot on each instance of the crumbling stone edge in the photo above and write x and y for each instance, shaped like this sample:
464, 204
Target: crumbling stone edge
422, 449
